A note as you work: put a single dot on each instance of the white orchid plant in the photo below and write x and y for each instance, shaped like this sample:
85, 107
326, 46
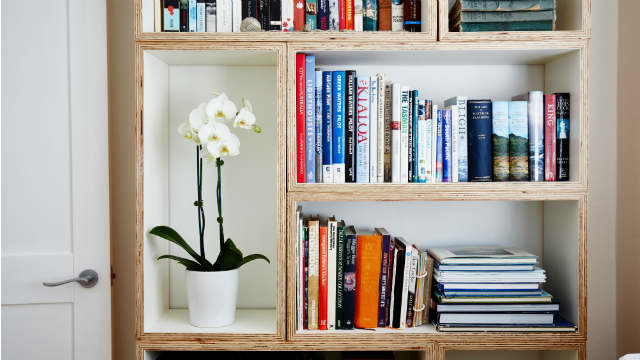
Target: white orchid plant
207, 129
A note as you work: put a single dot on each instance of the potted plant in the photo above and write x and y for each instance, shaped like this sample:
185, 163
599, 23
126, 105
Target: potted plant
212, 288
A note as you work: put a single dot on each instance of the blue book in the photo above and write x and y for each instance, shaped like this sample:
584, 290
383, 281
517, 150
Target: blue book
446, 145
193, 15
362, 147
327, 127
338, 127
439, 149
318, 126
479, 146
310, 103
323, 15
414, 125
463, 162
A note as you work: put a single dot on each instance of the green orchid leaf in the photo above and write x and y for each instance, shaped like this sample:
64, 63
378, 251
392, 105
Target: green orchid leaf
230, 257
252, 257
189, 264
171, 235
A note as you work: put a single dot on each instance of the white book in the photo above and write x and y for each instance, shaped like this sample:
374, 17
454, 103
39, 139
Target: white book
434, 141
505, 318
236, 12
404, 136
422, 142
395, 133
454, 142
477, 255
334, 15
210, 9
157, 15
358, 13
363, 125
405, 285
224, 16
462, 163
332, 229
397, 15
380, 142
373, 130
201, 25
412, 278
428, 145
287, 15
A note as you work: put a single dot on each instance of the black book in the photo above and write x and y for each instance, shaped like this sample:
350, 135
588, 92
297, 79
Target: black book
562, 136
349, 290
184, 15
263, 14
398, 280
350, 133
412, 140
249, 8
275, 16
479, 151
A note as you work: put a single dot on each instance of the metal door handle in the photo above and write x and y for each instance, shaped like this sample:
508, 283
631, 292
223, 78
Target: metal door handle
87, 278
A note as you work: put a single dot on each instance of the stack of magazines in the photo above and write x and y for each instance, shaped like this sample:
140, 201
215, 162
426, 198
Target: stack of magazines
492, 289
502, 15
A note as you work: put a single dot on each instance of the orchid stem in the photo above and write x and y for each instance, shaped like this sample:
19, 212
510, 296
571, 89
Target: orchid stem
201, 221
219, 164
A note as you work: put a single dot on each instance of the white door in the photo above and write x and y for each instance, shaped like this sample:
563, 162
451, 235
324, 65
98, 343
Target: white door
55, 187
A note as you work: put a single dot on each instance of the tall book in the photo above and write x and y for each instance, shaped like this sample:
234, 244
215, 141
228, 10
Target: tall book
275, 15
535, 105
463, 163
305, 234
479, 145
411, 14
236, 10
428, 145
398, 280
334, 15
224, 15
562, 135
362, 149
158, 13
346, 11
311, 12
500, 140
340, 257
388, 120
380, 144
351, 119
396, 145
550, 137
370, 21
323, 14
435, 111
327, 126
301, 140
422, 143
440, 146
298, 15
299, 248
405, 285
332, 257
397, 15
387, 252
171, 15
446, 146
310, 105
368, 258
404, 135
455, 143
373, 130
184, 15
324, 273
193, 15
349, 290
287, 12
423, 289
318, 126
314, 273
413, 134
211, 16
358, 15
338, 127
390, 275
384, 15
518, 141
411, 291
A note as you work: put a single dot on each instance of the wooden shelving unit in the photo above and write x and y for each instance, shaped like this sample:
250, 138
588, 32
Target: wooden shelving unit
174, 72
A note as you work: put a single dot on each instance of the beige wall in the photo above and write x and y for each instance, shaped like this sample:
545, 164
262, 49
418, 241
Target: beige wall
628, 239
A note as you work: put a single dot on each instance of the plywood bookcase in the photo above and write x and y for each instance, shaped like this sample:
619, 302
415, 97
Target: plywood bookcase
176, 71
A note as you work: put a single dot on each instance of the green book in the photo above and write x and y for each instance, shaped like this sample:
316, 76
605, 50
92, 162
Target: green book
506, 5
340, 275
508, 16
518, 141
544, 25
500, 140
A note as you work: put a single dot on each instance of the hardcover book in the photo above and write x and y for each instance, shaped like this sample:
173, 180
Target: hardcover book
171, 15
311, 12
422, 143
362, 154
446, 146
338, 127
370, 21
380, 142
562, 135
323, 14
535, 108
373, 129
340, 263
500, 140
275, 15
301, 119
332, 226
318, 126
398, 280
506, 16
250, 8
411, 294
305, 234
368, 258
396, 145
542, 25
351, 118
454, 142
236, 12
184, 15
388, 120
476, 255
405, 285
358, 14
387, 252
434, 142
346, 14
310, 105
314, 273
298, 15
439, 146
224, 15
550, 137
211, 16
327, 127
463, 163
384, 15
299, 269
287, 15
334, 15
411, 14
428, 146
411, 140
404, 135
349, 290
414, 123
507, 5
479, 146
518, 141
193, 15
324, 273
390, 277
397, 15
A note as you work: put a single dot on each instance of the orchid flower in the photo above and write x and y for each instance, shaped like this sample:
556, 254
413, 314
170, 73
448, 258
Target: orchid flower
221, 108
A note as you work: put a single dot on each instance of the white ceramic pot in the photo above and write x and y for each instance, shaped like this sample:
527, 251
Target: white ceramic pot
212, 297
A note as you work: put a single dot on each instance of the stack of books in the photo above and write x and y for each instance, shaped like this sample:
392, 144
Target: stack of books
364, 279
359, 128
502, 15
492, 289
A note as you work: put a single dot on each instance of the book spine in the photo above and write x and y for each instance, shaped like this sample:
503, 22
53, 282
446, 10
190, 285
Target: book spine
384, 281
323, 14
396, 145
411, 291
428, 145
384, 15
211, 16
412, 132
358, 15
500, 139
338, 133
171, 15
440, 147
287, 12
536, 136
331, 275
236, 10
388, 120
397, 287
422, 143
351, 119
370, 16
349, 293
518, 141
508, 5
504, 16
311, 12
373, 130
411, 13
340, 256
446, 145
310, 104
314, 274
368, 258
298, 15
301, 118
550, 137
562, 135
324, 272
404, 135
543, 25
158, 13
434, 143
479, 126
327, 128
184, 15
275, 15
405, 286
334, 15
346, 9
390, 275
397, 15
463, 158
193, 15
299, 271
225, 13
249, 9
362, 154
318, 126
454, 142
306, 277
380, 146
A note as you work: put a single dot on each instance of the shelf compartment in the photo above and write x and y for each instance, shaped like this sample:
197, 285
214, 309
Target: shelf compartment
552, 229
513, 351
289, 355
477, 70
144, 30
174, 79
573, 22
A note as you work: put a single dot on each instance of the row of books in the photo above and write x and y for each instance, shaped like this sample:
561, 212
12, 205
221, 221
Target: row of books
288, 15
366, 129
348, 279
492, 289
502, 15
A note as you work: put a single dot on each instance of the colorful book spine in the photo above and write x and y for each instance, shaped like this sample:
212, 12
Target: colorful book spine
404, 135
275, 15
193, 15
318, 126
184, 15
384, 15
397, 15
428, 145
410, 141
518, 141
301, 118
479, 146
542, 25
446, 145
500, 139
298, 15
368, 259
338, 133
211, 15
324, 272
384, 278
171, 15
362, 153
345, 11
396, 144
311, 12
440, 147
310, 105
507, 5
536, 135
380, 145
370, 16
334, 15
323, 14
506, 16
314, 273
306, 275
287, 12
550, 137
327, 127
422, 143
454, 142
411, 16
349, 292
331, 273
563, 108
413, 143
434, 143
351, 119
358, 15
411, 291
388, 121
340, 257
373, 130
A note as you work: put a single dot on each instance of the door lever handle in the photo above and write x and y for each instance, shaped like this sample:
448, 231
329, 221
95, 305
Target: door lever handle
87, 279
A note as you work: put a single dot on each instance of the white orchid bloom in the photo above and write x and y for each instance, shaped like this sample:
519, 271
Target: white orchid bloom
245, 119
213, 132
185, 131
198, 118
229, 146
220, 107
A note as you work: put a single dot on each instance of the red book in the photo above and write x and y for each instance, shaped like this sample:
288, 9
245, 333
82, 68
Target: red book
342, 4
298, 15
550, 137
324, 271
300, 117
